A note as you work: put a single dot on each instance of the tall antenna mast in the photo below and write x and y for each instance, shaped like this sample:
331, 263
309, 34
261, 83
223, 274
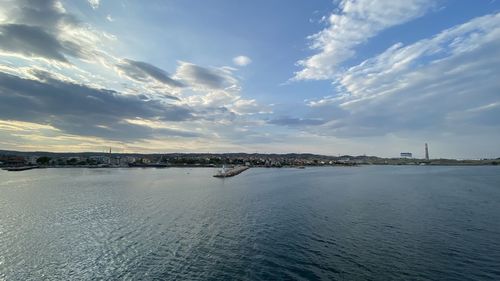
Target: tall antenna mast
426, 152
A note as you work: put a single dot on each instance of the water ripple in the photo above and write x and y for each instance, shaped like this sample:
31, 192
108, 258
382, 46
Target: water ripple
369, 223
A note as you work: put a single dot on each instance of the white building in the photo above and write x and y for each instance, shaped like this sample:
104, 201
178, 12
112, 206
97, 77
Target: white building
406, 155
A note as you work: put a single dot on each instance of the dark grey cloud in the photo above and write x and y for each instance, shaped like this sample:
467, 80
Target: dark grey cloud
143, 71
33, 29
43, 13
291, 121
31, 41
215, 113
81, 110
199, 76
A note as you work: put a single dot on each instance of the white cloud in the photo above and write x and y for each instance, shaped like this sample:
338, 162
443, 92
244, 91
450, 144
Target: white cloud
249, 107
242, 60
379, 74
94, 3
109, 18
356, 22
446, 83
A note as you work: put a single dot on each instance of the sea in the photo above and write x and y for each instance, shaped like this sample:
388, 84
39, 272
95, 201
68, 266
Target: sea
318, 223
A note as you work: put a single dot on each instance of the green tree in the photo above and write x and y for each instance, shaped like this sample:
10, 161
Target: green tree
44, 160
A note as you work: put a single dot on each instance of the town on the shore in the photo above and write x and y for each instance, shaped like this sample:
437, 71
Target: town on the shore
111, 160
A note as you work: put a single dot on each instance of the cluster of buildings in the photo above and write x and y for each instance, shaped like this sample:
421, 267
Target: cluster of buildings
255, 160
87, 159
176, 159
64, 160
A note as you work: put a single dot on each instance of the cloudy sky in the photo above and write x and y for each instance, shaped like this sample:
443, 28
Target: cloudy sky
373, 77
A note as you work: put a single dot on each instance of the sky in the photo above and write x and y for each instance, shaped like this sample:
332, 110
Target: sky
374, 77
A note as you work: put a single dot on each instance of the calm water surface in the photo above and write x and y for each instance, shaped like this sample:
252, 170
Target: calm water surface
363, 223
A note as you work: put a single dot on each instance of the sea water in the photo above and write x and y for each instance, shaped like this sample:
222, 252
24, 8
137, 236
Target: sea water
325, 223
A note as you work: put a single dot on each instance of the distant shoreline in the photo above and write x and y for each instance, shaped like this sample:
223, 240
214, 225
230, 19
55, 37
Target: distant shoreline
25, 168
12, 159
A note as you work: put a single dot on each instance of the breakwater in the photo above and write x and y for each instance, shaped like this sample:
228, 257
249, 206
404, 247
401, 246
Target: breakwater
225, 173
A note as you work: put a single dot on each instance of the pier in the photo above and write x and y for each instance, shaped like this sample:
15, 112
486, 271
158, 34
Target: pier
226, 173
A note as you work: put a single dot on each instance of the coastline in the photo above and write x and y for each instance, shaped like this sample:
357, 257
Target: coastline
25, 168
